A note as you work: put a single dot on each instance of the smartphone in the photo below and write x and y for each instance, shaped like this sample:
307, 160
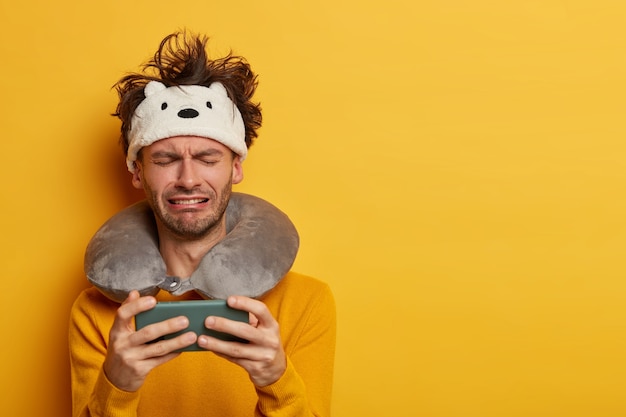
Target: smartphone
196, 311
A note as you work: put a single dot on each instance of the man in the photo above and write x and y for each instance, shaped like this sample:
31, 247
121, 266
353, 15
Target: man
286, 368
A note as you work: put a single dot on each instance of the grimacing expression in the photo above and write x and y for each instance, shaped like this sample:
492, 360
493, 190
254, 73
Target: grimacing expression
188, 181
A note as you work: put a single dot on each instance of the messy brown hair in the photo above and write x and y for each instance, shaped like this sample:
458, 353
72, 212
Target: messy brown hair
182, 59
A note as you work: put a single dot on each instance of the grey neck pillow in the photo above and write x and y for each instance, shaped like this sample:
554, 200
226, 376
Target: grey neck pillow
257, 252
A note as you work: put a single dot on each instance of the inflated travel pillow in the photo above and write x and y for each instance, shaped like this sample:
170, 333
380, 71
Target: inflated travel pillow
258, 250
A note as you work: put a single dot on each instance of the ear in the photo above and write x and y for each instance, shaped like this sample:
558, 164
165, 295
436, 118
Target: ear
219, 88
136, 180
153, 87
237, 170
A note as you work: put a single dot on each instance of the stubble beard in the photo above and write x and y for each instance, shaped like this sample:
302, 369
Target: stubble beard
186, 229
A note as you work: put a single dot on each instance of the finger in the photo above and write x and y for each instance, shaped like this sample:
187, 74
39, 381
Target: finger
133, 295
169, 346
257, 308
226, 349
134, 304
157, 330
266, 338
232, 327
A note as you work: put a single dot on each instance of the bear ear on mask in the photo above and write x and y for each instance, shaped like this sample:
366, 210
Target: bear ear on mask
257, 252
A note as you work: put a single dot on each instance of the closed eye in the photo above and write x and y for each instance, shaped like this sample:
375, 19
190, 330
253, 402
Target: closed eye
164, 158
208, 162
209, 157
163, 161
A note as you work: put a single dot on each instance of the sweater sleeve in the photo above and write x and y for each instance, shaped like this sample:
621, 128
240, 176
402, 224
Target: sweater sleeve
305, 388
92, 393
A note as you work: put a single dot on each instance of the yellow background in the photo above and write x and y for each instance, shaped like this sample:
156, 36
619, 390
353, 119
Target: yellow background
456, 169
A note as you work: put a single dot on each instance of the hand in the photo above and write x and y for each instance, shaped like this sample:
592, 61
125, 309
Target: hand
264, 357
129, 359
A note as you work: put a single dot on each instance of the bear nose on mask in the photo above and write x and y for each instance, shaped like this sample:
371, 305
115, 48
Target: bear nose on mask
188, 113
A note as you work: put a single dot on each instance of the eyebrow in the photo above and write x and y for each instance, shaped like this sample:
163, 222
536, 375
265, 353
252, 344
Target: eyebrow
164, 154
208, 152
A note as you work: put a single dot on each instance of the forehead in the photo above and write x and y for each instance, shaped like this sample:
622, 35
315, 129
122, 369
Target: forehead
181, 144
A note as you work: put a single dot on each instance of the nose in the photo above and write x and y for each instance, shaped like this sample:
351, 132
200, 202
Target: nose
188, 114
188, 176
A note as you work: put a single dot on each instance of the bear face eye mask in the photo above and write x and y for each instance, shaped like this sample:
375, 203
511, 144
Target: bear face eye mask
186, 110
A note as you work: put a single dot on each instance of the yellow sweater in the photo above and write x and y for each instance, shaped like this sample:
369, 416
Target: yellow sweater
201, 383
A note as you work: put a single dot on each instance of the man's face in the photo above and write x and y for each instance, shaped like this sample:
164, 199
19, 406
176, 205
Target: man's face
188, 182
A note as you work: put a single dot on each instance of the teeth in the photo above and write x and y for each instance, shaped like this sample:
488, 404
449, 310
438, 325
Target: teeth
194, 201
